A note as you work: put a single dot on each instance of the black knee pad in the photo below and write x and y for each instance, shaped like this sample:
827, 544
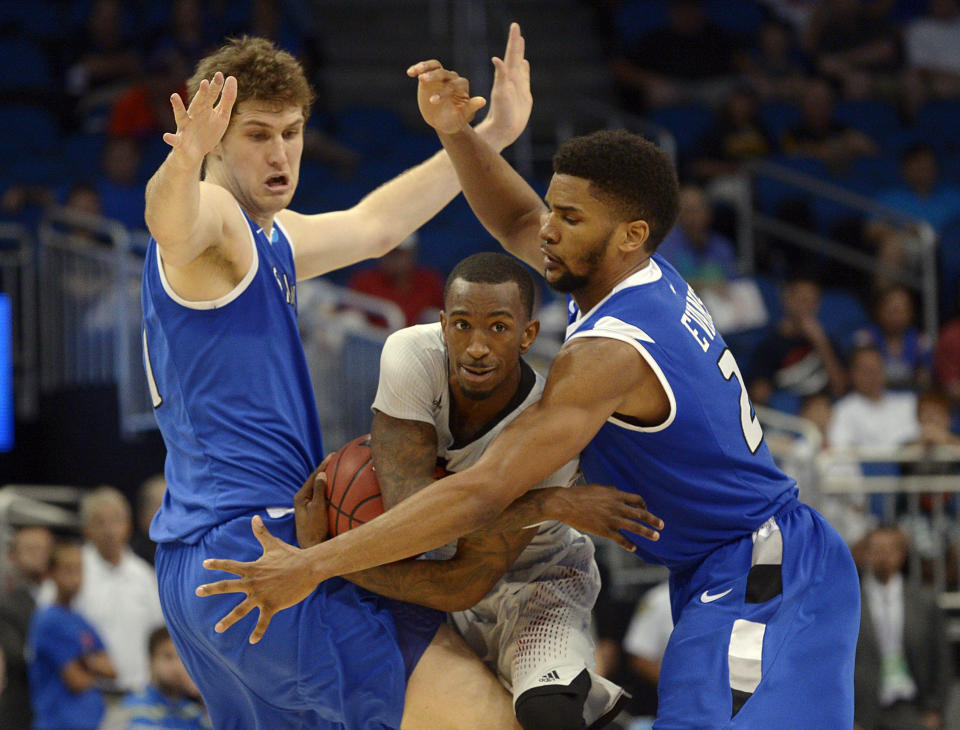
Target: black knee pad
554, 706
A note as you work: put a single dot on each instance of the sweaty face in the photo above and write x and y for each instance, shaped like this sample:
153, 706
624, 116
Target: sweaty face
258, 159
575, 233
486, 329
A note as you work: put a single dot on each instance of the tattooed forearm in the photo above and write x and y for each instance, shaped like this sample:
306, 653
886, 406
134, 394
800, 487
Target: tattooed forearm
448, 585
404, 455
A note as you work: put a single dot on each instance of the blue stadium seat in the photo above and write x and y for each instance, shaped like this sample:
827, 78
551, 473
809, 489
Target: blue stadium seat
737, 17
842, 314
938, 121
371, 131
82, 152
687, 122
778, 117
867, 175
25, 66
948, 251
877, 118
25, 129
634, 18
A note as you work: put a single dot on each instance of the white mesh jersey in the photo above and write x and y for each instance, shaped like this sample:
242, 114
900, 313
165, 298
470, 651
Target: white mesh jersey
534, 625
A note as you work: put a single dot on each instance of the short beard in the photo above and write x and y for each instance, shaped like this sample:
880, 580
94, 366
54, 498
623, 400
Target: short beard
568, 283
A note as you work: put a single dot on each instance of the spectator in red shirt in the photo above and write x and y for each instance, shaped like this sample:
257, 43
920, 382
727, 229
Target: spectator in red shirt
946, 360
144, 109
416, 289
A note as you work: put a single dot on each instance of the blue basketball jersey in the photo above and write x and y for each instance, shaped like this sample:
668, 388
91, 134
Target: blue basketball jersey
705, 470
231, 392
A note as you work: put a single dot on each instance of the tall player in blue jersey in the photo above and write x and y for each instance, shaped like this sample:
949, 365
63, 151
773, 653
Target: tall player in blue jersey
235, 406
763, 590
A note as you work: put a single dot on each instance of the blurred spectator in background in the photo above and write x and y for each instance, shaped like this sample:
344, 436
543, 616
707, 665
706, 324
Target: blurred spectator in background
704, 257
29, 559
797, 357
738, 135
67, 657
932, 55
187, 31
907, 353
143, 111
775, 67
855, 45
119, 595
101, 63
171, 701
923, 194
820, 135
417, 289
688, 60
149, 499
946, 360
871, 415
903, 666
119, 184
647, 636
795, 13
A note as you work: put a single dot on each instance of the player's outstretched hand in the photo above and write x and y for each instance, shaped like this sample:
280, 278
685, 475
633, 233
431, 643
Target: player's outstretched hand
201, 126
510, 97
278, 579
605, 511
310, 508
444, 97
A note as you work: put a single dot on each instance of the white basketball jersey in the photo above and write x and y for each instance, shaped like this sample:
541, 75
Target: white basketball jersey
533, 626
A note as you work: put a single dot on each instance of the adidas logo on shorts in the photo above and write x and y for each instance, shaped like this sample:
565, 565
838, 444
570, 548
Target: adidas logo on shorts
550, 676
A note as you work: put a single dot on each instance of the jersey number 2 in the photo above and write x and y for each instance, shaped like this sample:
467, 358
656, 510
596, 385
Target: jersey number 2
752, 432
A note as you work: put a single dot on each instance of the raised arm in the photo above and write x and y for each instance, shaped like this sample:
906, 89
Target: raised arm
588, 382
501, 199
184, 215
389, 214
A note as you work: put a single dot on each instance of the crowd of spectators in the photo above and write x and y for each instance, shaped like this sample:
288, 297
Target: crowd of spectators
81, 634
864, 94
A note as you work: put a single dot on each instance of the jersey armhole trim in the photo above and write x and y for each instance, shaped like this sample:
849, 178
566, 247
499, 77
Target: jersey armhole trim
286, 235
219, 301
664, 383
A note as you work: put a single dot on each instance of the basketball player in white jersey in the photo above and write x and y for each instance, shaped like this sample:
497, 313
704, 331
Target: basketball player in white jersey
522, 598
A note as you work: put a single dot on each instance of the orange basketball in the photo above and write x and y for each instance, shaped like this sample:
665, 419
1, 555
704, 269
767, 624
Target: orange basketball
353, 493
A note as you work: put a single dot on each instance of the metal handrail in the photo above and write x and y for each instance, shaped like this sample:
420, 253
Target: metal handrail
923, 241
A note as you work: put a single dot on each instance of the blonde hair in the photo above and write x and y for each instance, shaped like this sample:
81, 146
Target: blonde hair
263, 72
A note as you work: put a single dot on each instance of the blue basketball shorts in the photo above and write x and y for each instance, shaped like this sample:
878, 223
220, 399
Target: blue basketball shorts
338, 659
765, 631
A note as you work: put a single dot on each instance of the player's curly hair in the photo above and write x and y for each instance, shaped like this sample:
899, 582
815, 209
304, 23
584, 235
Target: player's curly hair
263, 72
634, 175
489, 267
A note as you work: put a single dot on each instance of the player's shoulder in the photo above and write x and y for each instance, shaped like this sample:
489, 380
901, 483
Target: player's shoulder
418, 336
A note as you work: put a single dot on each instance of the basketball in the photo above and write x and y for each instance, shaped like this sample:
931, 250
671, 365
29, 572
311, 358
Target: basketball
353, 493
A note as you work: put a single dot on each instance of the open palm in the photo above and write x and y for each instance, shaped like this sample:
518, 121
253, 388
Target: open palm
201, 126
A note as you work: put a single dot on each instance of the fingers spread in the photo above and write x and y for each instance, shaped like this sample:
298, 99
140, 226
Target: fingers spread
229, 95
241, 610
262, 623
227, 566
220, 586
